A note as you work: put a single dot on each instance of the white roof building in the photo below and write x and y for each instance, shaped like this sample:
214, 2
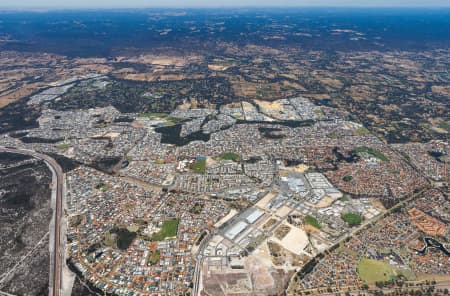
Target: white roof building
236, 229
254, 215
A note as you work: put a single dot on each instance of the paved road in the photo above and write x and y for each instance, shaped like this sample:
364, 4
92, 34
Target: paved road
55, 258
199, 263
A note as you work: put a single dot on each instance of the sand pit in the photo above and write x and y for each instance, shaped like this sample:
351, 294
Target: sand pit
111, 135
265, 200
162, 60
247, 107
283, 211
310, 228
275, 105
325, 202
262, 279
263, 253
217, 67
295, 241
301, 168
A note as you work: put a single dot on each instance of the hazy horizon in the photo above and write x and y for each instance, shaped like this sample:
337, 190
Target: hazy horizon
99, 4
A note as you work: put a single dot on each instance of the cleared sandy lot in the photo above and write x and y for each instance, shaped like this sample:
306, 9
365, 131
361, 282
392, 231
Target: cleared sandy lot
295, 241
265, 200
230, 215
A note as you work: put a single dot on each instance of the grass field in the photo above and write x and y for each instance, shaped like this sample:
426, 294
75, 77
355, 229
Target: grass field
408, 274
362, 131
108, 240
313, 222
154, 258
63, 146
352, 219
133, 228
199, 166
169, 229
171, 121
154, 115
230, 156
372, 271
371, 151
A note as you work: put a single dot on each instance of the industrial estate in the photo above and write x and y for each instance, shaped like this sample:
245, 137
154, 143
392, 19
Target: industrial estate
244, 170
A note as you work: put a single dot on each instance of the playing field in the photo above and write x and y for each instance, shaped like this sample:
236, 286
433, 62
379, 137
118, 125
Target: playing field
372, 271
313, 222
371, 151
230, 156
154, 257
199, 166
352, 219
169, 229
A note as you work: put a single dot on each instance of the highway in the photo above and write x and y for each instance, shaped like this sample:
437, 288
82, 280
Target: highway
56, 258
199, 264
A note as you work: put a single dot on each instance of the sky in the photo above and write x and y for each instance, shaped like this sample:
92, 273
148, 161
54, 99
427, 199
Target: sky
216, 3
